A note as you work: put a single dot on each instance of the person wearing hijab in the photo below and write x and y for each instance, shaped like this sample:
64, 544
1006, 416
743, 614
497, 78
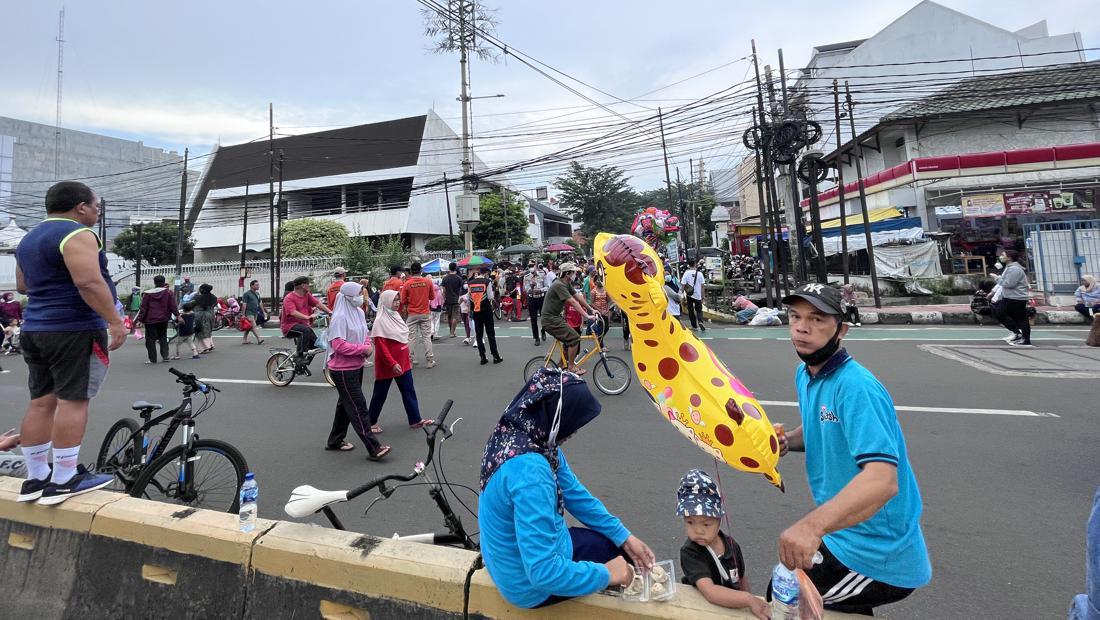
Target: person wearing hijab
1087, 297
206, 303
392, 362
349, 347
526, 488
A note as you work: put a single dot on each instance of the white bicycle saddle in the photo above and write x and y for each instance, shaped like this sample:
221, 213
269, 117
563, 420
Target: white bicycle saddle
306, 500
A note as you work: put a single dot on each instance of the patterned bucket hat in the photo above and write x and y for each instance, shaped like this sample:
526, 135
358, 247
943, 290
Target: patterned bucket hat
698, 496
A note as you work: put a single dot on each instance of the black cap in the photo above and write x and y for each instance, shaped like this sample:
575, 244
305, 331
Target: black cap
824, 297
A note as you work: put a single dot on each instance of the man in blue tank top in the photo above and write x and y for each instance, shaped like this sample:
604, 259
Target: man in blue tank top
62, 268
867, 522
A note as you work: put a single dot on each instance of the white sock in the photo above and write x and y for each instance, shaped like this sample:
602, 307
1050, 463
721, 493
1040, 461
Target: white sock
37, 460
64, 464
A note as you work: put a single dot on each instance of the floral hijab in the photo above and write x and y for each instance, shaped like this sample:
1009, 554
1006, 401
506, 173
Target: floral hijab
528, 423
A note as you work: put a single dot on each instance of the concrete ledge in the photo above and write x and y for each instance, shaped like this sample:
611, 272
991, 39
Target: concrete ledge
1064, 317
931, 317
107, 555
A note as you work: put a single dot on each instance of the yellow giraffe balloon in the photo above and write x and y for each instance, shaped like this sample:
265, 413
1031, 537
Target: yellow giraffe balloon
691, 387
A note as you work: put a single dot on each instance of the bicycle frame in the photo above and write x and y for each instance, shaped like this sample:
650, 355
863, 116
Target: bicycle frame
180, 416
557, 351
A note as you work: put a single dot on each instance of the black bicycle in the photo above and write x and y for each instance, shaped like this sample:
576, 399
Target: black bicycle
201, 473
306, 500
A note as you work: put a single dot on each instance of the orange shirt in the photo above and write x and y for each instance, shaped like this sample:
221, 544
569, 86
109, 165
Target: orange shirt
415, 295
333, 289
393, 284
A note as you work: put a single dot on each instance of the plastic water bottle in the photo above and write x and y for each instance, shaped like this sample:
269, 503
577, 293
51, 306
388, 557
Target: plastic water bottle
784, 593
249, 494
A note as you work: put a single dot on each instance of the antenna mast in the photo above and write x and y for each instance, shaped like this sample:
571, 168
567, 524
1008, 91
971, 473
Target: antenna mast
57, 118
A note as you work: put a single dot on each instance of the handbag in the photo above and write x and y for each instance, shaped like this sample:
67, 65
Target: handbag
244, 325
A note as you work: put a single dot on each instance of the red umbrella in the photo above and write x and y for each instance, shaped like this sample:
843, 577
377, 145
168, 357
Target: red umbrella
560, 247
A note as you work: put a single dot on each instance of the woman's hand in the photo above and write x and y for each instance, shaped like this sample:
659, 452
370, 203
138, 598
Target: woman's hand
397, 368
621, 572
639, 552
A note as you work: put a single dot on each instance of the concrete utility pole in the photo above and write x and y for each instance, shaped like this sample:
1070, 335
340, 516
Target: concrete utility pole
244, 239
57, 117
862, 193
283, 212
463, 62
664, 149
450, 220
182, 223
271, 205
840, 185
695, 212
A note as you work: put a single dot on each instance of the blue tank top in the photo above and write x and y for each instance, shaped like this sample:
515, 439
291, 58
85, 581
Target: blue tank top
54, 303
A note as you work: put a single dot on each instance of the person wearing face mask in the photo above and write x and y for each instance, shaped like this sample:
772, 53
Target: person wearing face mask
533, 556
866, 525
349, 348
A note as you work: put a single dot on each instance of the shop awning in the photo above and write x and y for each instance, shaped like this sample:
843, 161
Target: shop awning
874, 215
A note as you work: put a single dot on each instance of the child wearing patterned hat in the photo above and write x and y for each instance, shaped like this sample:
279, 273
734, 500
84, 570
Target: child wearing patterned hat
710, 559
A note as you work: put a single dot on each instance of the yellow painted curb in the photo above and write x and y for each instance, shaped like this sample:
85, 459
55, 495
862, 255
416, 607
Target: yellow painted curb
76, 514
205, 533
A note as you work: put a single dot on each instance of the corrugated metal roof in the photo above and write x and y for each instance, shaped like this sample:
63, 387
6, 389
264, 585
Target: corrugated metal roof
1074, 82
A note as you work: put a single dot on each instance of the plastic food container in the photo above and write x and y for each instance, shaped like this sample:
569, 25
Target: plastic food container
657, 584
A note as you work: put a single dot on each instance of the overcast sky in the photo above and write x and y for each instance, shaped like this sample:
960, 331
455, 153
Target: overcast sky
200, 72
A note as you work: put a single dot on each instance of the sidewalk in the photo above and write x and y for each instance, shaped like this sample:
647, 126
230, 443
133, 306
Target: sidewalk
941, 314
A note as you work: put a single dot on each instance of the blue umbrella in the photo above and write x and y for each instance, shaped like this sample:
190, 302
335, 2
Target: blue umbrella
435, 266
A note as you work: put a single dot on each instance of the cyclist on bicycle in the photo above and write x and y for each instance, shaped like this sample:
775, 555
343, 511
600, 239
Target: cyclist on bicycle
297, 318
561, 292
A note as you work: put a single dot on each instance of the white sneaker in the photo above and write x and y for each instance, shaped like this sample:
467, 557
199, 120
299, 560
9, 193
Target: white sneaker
1012, 338
1020, 343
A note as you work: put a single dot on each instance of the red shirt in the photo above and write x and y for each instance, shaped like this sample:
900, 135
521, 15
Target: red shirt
393, 284
302, 303
387, 353
415, 295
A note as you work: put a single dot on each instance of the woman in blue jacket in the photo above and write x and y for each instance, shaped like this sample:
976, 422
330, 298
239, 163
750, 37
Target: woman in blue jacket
527, 485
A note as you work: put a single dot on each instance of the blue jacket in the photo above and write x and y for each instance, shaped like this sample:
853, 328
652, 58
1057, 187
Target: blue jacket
525, 541
1087, 606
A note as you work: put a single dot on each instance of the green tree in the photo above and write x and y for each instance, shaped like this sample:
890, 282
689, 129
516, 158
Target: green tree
443, 243
493, 231
700, 202
158, 243
357, 256
309, 237
600, 197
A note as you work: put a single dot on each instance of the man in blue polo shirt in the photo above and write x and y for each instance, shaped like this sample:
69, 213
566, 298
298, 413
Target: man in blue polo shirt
867, 521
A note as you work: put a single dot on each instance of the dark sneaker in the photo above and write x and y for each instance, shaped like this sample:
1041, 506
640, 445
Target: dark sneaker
83, 482
32, 490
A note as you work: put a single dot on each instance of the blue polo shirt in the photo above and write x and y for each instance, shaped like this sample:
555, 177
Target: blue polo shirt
848, 420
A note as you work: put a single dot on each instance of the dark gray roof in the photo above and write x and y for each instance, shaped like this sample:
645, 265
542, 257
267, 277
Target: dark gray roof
377, 146
546, 209
1074, 82
832, 47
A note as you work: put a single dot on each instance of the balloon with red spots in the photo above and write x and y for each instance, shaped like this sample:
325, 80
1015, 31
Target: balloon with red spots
724, 435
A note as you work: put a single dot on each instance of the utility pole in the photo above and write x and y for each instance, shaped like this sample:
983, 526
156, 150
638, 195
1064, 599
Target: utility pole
463, 62
840, 185
137, 269
695, 212
862, 194
664, 149
182, 223
680, 195
271, 204
450, 225
771, 205
282, 213
244, 239
103, 221
765, 228
691, 209
57, 118
795, 220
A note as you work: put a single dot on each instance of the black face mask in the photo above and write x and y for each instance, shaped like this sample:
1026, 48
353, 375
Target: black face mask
821, 355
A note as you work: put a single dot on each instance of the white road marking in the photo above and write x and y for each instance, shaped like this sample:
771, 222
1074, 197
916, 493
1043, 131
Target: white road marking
915, 409
257, 382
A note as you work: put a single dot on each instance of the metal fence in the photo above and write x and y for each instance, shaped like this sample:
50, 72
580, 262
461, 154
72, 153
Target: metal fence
1061, 252
226, 277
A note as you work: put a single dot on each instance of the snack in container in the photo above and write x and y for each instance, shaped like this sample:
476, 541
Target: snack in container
661, 581
638, 590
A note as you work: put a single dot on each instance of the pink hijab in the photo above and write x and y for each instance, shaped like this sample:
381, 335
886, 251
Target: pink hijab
388, 323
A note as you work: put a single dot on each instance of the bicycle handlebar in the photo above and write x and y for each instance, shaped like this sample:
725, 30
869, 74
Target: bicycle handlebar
190, 381
380, 482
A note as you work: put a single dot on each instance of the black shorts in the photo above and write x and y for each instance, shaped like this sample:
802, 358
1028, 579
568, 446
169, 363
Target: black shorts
69, 365
843, 589
451, 310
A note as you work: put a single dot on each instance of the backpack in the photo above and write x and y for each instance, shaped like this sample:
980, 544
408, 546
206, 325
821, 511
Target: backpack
477, 291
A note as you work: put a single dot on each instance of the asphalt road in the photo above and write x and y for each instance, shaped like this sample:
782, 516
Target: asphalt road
1006, 494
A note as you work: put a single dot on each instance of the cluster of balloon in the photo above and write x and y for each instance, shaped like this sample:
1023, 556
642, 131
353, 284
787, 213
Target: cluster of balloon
655, 225
691, 388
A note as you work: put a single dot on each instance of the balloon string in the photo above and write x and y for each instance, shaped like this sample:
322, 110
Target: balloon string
722, 495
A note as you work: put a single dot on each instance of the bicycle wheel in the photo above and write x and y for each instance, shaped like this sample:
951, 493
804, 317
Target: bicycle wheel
534, 364
219, 322
280, 369
612, 375
117, 456
218, 471
497, 310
